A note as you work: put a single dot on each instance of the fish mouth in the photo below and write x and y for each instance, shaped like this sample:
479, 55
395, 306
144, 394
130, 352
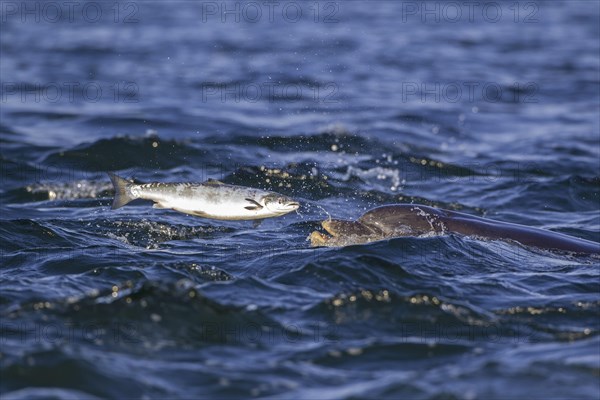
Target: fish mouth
282, 209
291, 206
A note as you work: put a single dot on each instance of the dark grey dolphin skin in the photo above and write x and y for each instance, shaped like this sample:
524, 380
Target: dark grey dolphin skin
414, 220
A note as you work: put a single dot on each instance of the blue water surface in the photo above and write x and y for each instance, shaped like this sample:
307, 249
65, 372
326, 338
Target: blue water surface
488, 108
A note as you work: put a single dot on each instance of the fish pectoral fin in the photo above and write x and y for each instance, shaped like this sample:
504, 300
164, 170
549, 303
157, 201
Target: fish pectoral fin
256, 206
256, 223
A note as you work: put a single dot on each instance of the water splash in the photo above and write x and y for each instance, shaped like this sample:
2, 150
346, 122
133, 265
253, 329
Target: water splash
376, 173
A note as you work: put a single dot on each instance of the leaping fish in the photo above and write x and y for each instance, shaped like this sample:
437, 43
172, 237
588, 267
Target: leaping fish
210, 199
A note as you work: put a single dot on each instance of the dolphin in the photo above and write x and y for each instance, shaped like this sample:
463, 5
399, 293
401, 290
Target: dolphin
397, 220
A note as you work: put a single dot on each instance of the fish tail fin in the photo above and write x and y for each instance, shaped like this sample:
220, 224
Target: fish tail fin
122, 192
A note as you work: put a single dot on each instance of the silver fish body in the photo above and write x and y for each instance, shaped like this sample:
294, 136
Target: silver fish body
211, 199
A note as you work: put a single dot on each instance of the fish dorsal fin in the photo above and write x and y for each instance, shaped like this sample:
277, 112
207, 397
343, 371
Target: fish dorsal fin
213, 182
